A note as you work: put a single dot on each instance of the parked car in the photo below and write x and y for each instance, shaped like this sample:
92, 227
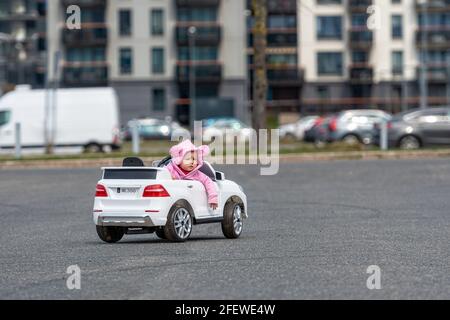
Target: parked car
135, 199
296, 130
222, 126
318, 133
356, 126
418, 128
211, 121
149, 128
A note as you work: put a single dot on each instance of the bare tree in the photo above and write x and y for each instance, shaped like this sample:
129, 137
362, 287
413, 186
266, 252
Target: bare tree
259, 10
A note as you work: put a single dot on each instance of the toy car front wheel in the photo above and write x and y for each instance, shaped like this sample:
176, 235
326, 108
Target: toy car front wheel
232, 220
179, 224
110, 234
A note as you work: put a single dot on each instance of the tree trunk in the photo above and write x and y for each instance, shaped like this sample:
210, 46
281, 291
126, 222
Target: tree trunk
259, 10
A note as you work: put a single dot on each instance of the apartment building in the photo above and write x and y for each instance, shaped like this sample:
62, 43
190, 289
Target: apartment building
144, 50
367, 53
322, 55
22, 43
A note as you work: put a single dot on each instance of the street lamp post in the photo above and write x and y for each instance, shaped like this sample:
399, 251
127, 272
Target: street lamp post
191, 33
423, 69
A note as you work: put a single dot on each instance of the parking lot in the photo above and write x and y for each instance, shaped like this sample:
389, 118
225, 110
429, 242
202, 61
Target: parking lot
314, 229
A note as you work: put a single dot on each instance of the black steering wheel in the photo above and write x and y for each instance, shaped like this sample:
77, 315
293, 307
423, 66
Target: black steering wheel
165, 161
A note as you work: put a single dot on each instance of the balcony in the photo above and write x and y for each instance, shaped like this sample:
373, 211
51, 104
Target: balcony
27, 15
360, 73
287, 77
436, 72
205, 71
361, 39
281, 6
205, 35
85, 37
84, 76
355, 6
434, 6
197, 3
437, 37
85, 3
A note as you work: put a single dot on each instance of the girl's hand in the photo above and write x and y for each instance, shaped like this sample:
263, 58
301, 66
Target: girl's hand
213, 206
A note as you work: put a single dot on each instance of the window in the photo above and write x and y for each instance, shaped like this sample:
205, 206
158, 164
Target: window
282, 59
92, 15
85, 54
157, 22
323, 92
158, 60
397, 62
360, 56
197, 14
200, 53
397, 30
329, 63
4, 117
126, 61
125, 22
324, 2
329, 27
359, 20
158, 99
130, 174
282, 21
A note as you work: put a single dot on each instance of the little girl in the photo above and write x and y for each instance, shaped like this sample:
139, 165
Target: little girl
185, 164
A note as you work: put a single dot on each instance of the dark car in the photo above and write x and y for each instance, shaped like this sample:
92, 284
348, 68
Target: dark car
319, 132
419, 128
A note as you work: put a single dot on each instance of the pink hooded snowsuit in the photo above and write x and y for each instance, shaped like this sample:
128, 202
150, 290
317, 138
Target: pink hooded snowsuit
178, 152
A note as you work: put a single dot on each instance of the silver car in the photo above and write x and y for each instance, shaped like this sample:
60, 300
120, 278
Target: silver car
356, 126
296, 130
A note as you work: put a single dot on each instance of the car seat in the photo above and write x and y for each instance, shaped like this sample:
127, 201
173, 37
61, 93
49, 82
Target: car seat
132, 162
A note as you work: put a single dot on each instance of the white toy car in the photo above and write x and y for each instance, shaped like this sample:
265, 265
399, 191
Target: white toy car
135, 199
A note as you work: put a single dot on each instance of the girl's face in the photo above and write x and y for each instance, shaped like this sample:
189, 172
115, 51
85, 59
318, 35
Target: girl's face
189, 161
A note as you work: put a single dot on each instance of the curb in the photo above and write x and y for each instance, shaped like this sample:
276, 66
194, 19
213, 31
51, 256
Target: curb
284, 158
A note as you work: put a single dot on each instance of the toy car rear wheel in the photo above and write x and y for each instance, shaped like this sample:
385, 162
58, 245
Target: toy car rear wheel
110, 234
179, 224
232, 220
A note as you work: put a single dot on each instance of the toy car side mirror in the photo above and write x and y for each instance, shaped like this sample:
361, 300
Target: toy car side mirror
220, 175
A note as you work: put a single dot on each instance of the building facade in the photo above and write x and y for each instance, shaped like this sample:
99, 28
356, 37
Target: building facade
367, 53
145, 51
322, 55
22, 43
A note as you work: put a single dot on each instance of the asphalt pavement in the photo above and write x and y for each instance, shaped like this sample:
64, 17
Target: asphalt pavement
313, 230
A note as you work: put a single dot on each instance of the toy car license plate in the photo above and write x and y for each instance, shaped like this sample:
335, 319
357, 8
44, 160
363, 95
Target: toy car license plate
127, 190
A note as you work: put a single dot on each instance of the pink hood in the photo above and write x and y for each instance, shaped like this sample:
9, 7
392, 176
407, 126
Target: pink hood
177, 153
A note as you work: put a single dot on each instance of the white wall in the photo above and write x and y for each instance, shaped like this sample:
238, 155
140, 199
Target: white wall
234, 38
141, 41
308, 10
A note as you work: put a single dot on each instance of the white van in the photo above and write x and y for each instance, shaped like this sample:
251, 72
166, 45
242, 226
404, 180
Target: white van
85, 117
